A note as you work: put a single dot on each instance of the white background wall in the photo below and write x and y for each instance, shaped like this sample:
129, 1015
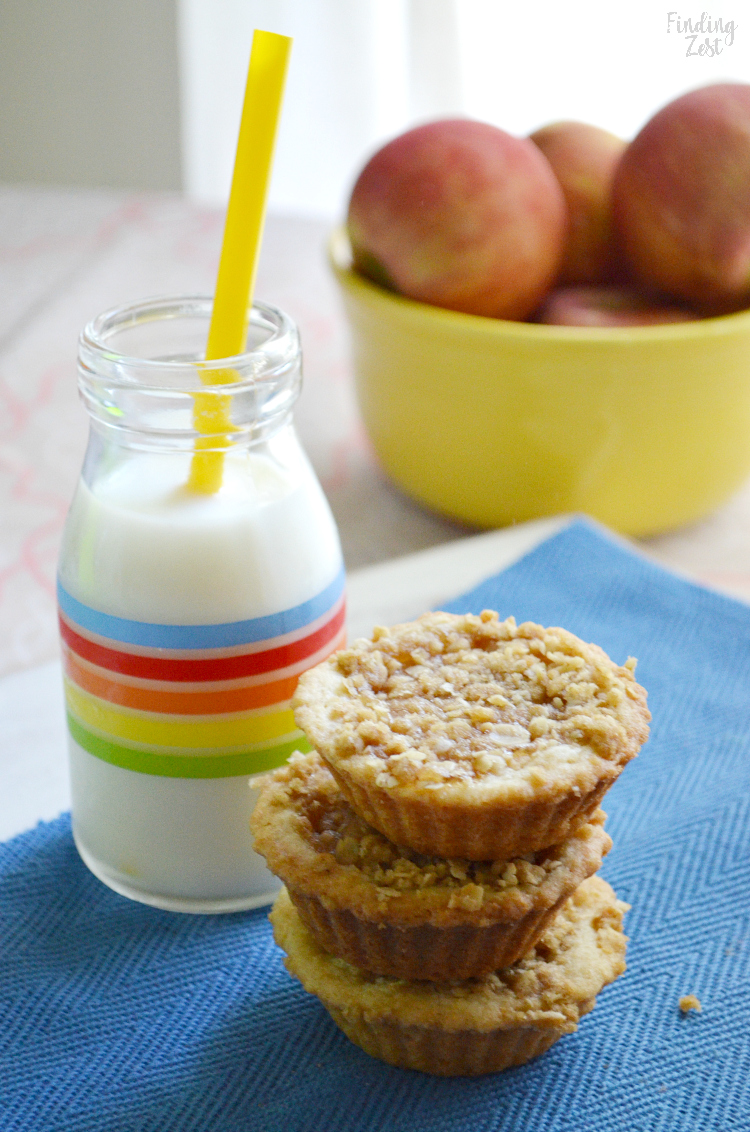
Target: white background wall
363, 70
612, 64
346, 90
91, 92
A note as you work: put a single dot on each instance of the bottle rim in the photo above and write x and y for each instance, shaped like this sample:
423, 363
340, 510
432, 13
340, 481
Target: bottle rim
150, 400
98, 354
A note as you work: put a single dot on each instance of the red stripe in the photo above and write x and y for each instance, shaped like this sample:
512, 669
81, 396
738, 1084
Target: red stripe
212, 668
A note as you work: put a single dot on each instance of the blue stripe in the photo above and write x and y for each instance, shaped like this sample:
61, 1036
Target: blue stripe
200, 636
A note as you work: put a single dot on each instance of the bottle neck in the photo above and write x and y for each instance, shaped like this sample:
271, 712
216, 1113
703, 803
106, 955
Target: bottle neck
147, 385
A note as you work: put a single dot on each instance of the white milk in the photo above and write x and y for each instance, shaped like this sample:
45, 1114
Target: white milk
139, 545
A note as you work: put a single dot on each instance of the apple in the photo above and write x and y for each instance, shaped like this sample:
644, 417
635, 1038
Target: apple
681, 198
460, 214
607, 306
584, 159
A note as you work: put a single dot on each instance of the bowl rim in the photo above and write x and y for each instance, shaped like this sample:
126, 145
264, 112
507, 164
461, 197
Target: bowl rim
340, 259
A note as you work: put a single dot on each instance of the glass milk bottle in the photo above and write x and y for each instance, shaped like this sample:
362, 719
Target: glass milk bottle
187, 616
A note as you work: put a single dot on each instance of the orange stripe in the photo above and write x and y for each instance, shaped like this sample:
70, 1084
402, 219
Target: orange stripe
179, 703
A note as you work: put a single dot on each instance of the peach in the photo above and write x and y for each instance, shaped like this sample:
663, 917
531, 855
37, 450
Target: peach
460, 214
607, 306
584, 159
681, 198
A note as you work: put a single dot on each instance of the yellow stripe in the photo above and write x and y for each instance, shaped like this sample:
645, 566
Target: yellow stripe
168, 764
167, 731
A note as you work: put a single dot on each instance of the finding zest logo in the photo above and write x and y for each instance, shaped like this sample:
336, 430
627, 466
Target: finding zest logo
704, 37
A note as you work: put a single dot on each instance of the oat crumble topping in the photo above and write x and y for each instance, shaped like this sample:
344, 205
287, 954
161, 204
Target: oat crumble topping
581, 951
333, 827
452, 698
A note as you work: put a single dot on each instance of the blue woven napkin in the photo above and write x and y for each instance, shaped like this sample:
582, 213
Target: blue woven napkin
115, 1017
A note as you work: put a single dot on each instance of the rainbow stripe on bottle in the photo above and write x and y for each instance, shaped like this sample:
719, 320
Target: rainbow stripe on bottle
193, 701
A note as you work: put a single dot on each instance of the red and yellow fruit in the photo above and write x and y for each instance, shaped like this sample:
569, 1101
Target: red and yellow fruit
608, 306
460, 214
584, 159
681, 198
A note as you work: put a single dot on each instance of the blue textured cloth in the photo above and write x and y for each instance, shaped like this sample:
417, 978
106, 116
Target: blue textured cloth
115, 1017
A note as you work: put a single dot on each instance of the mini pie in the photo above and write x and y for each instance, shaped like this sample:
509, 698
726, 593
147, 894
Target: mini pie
392, 911
464, 736
478, 1025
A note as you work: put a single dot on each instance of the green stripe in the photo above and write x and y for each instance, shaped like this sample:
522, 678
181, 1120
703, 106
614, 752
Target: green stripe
185, 766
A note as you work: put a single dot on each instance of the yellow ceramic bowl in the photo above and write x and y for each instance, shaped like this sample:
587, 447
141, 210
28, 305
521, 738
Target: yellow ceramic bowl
495, 422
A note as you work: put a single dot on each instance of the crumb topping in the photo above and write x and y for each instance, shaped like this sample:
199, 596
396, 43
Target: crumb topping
579, 953
690, 1002
316, 842
452, 697
332, 826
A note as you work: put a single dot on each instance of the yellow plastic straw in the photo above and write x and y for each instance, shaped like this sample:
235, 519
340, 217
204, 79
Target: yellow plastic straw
240, 249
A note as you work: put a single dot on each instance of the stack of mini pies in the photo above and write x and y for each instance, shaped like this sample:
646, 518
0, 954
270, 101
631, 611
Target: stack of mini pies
439, 846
